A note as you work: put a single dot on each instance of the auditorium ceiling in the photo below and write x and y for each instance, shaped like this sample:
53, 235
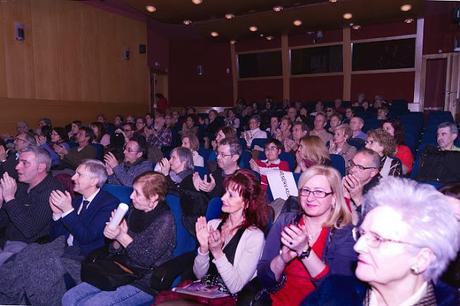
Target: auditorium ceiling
274, 17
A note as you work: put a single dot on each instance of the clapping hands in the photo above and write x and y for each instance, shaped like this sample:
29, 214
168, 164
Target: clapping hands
203, 184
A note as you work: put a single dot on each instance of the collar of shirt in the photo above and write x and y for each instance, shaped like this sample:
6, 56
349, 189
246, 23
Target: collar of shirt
91, 197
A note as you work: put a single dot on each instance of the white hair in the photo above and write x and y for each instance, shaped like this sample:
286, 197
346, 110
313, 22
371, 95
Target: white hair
428, 216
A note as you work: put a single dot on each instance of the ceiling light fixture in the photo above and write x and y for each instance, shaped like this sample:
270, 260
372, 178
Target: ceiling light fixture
214, 34
278, 8
253, 28
233, 41
261, 35
332, 1
229, 16
187, 22
150, 8
356, 27
347, 16
297, 22
269, 38
406, 7
409, 20
197, 1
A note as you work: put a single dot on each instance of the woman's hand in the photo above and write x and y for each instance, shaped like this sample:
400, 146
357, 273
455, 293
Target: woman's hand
216, 243
254, 166
294, 237
110, 232
164, 166
287, 254
202, 234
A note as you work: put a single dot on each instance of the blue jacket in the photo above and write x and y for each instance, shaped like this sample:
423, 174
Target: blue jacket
87, 228
338, 290
338, 253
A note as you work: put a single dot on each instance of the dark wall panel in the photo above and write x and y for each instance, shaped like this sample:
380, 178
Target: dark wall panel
399, 85
315, 88
257, 90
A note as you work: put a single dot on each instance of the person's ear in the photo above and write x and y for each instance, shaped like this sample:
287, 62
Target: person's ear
422, 261
41, 167
235, 157
153, 200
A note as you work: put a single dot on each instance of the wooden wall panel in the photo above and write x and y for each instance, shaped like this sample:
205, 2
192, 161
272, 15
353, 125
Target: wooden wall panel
70, 65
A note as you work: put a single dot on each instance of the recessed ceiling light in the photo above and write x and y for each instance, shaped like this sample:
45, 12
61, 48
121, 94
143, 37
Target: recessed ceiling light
297, 22
278, 8
406, 7
332, 1
347, 16
409, 20
233, 42
356, 27
269, 38
187, 22
229, 16
261, 35
253, 28
214, 34
151, 8
197, 1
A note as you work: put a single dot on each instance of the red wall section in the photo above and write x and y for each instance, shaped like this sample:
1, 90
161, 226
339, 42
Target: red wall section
440, 31
257, 90
384, 30
157, 48
186, 87
306, 39
399, 85
315, 88
257, 43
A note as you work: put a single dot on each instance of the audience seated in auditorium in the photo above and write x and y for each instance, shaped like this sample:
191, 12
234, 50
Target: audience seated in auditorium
133, 165
25, 215
58, 137
362, 175
292, 113
273, 148
159, 135
312, 151
144, 239
127, 130
274, 126
230, 247
404, 244
334, 121
232, 120
299, 130
356, 125
228, 154
22, 127
100, 135
191, 142
384, 145
21, 141
339, 143
178, 169
403, 152
74, 129
189, 125
447, 133
74, 156
294, 261
284, 131
254, 131
320, 128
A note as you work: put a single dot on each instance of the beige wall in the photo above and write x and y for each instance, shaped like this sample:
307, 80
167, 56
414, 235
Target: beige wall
70, 64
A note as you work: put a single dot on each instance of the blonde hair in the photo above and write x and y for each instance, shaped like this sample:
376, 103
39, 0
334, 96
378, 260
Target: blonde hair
346, 130
340, 213
314, 149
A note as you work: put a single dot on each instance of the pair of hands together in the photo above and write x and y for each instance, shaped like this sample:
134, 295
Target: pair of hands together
353, 188
209, 239
110, 162
203, 184
8, 188
294, 240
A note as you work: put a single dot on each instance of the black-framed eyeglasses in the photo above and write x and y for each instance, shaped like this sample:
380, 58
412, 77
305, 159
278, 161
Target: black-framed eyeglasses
129, 150
223, 154
374, 240
351, 164
319, 194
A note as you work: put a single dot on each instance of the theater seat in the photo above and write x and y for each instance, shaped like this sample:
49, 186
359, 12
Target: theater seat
338, 163
214, 209
121, 192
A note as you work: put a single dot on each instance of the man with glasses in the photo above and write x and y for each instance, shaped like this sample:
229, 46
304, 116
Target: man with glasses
10, 161
362, 175
228, 154
134, 162
25, 215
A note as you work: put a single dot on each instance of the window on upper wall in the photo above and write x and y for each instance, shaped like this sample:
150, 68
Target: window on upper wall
261, 64
327, 59
388, 54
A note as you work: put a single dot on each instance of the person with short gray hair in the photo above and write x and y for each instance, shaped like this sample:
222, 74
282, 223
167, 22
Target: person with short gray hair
408, 237
179, 168
446, 134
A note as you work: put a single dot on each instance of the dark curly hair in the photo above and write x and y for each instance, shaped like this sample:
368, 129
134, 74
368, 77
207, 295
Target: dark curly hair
399, 130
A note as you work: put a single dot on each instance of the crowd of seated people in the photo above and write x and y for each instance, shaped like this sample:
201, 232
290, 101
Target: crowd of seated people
359, 223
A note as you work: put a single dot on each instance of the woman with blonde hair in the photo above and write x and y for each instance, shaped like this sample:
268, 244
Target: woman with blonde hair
303, 248
339, 143
312, 151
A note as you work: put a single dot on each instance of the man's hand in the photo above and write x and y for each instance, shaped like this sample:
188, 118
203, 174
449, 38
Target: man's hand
353, 187
110, 160
62, 201
207, 187
9, 187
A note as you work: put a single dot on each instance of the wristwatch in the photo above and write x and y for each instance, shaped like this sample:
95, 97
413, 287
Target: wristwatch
305, 253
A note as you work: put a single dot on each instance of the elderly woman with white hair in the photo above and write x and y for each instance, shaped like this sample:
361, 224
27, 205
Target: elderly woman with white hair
405, 242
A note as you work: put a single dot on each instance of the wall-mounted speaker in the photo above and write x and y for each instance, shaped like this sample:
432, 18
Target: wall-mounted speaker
142, 49
199, 70
19, 30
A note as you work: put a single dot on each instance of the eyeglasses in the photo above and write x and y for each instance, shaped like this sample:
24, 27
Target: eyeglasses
20, 139
223, 154
127, 130
318, 194
374, 240
351, 164
129, 150
273, 148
